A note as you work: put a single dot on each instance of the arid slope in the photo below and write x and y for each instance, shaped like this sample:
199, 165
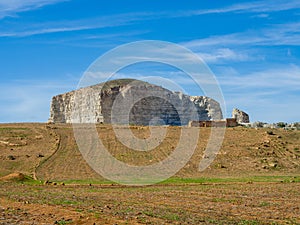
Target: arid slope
49, 152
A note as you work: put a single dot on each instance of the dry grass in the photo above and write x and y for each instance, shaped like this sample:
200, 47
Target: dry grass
206, 203
253, 180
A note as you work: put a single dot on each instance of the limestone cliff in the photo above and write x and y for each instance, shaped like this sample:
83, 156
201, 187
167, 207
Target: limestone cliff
131, 101
207, 106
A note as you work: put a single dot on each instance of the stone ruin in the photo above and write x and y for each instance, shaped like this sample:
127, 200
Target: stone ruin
128, 101
240, 116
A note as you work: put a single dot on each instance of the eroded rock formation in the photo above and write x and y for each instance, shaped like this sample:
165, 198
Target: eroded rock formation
240, 116
128, 101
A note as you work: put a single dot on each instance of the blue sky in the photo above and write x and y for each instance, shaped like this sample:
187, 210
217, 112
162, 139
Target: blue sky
251, 46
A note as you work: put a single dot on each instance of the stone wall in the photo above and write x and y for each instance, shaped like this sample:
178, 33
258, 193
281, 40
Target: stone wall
131, 102
228, 122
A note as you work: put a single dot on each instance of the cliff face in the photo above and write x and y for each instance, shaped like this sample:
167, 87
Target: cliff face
207, 106
133, 102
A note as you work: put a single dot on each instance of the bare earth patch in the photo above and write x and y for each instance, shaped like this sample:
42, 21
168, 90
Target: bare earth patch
205, 203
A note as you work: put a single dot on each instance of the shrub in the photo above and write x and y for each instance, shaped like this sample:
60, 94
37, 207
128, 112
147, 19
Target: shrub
281, 124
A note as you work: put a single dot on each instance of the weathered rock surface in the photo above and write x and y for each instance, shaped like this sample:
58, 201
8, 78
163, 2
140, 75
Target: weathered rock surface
240, 116
128, 101
207, 106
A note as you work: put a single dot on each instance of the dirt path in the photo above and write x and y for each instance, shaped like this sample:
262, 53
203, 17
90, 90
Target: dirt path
66, 162
38, 175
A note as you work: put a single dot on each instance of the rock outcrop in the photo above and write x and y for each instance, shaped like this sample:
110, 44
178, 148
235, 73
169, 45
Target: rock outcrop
207, 106
240, 116
128, 101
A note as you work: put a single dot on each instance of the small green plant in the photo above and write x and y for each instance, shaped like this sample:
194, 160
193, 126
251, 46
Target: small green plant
248, 222
79, 210
219, 200
171, 216
262, 204
96, 215
148, 213
63, 222
64, 202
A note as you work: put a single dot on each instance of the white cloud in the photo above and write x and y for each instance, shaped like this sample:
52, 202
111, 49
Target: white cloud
12, 7
29, 101
268, 95
223, 54
246, 46
73, 25
284, 78
248, 7
282, 34
265, 106
43, 31
262, 15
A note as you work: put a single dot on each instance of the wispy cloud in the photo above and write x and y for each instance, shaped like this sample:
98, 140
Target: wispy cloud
262, 15
248, 7
12, 7
283, 78
267, 95
44, 31
246, 46
29, 100
282, 34
224, 54
75, 25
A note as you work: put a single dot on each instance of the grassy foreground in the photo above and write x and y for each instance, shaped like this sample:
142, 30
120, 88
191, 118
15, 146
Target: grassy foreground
267, 200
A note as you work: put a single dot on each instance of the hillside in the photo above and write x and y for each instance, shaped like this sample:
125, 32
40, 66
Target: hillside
49, 152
